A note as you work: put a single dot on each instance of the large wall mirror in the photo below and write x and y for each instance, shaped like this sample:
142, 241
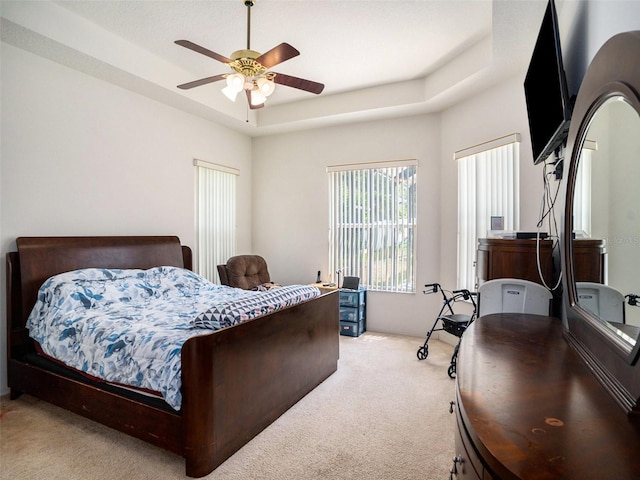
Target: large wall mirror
603, 202
607, 206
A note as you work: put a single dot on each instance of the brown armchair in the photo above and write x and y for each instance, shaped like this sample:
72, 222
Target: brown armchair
244, 271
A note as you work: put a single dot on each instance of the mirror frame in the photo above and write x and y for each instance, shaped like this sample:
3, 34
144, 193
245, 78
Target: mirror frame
614, 72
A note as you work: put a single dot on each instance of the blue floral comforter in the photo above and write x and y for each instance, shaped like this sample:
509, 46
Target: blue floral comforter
128, 326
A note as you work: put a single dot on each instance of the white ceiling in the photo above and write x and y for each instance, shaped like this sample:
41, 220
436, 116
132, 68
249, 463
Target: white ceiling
376, 58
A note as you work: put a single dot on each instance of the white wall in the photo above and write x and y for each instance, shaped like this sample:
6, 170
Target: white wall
83, 157
586, 25
290, 211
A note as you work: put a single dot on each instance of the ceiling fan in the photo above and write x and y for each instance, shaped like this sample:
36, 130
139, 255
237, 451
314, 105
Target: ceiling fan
251, 70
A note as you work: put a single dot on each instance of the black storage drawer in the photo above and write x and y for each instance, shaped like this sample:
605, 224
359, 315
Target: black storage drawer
352, 329
353, 316
352, 298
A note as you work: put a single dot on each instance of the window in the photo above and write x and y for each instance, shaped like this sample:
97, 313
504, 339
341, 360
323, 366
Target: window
215, 217
582, 191
488, 185
372, 225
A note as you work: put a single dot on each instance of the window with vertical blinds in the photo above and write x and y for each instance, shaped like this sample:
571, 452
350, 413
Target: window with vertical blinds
582, 191
215, 217
488, 185
373, 222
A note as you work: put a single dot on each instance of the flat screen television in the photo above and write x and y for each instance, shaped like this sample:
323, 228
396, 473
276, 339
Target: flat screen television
546, 93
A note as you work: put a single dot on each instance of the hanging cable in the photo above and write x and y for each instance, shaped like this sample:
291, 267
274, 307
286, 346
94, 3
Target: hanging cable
547, 211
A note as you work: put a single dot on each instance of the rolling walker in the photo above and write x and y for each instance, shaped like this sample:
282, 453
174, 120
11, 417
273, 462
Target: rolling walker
453, 323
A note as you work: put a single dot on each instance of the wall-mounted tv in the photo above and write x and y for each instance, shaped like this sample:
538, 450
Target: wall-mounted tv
545, 87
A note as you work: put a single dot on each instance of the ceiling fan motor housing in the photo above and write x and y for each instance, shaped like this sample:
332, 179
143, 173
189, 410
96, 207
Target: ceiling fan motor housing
243, 61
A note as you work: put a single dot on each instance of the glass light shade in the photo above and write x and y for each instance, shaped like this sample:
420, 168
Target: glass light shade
230, 93
257, 97
235, 82
266, 86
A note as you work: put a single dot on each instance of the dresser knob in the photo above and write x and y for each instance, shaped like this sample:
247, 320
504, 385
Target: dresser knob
454, 469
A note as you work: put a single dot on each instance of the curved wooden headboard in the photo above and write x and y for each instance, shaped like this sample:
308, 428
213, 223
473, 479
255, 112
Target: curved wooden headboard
39, 258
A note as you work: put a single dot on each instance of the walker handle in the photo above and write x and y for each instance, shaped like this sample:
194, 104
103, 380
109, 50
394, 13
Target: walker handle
433, 286
466, 294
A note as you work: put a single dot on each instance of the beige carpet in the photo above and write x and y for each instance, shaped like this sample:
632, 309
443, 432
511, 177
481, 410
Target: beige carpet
383, 415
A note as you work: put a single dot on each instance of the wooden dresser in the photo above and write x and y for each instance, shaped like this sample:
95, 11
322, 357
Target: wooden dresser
517, 258
590, 260
527, 407
511, 258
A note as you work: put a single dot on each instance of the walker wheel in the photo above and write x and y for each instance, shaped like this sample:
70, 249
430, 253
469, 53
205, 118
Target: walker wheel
452, 371
423, 352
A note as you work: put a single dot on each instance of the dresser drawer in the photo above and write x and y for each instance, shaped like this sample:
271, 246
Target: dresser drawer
469, 467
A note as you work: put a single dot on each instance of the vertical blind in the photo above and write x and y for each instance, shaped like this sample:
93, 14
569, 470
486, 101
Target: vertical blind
372, 224
215, 217
488, 185
582, 191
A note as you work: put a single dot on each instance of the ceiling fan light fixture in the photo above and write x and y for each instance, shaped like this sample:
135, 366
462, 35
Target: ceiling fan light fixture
257, 97
248, 84
235, 81
235, 84
230, 93
266, 86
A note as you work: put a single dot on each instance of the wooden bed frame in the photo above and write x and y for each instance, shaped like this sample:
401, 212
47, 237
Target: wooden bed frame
235, 382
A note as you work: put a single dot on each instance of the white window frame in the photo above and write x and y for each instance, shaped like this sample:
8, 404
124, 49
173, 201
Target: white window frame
357, 224
488, 186
215, 218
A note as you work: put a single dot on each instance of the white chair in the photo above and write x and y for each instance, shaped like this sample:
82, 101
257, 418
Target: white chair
604, 301
513, 295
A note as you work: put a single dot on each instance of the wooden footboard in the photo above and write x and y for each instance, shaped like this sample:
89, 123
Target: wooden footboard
239, 380
235, 382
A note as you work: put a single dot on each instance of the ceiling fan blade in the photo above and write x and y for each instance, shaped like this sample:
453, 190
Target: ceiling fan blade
299, 83
251, 105
277, 55
203, 51
202, 81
